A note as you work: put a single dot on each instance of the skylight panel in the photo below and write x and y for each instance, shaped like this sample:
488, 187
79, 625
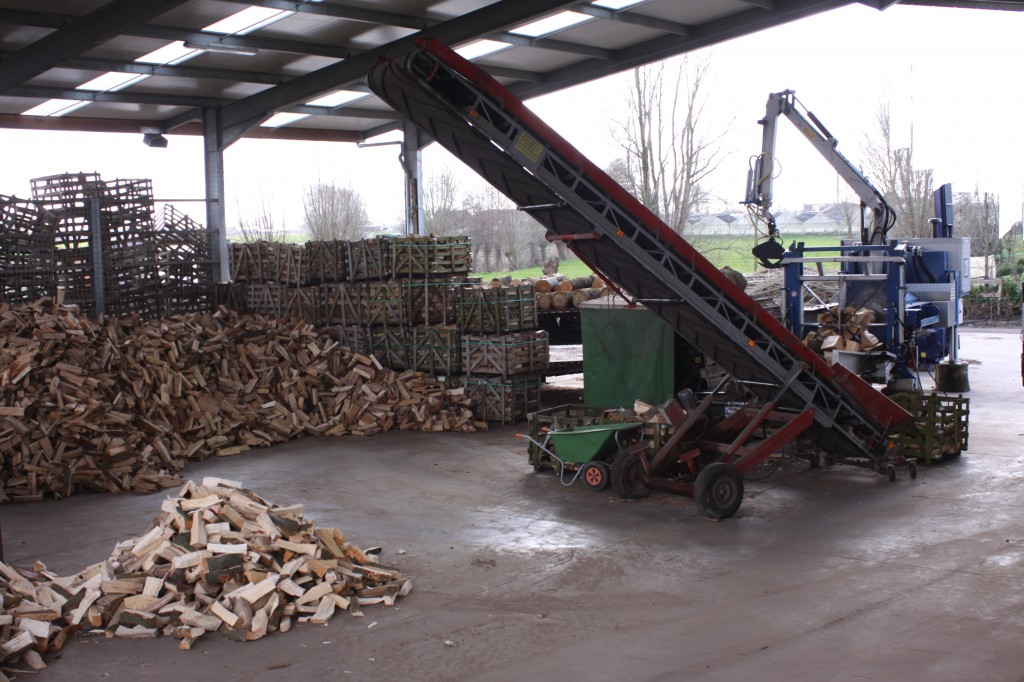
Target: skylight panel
55, 107
616, 4
112, 81
248, 20
278, 120
172, 53
337, 98
480, 48
552, 24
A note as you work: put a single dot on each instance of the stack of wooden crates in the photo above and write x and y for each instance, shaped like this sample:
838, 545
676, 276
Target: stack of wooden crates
504, 357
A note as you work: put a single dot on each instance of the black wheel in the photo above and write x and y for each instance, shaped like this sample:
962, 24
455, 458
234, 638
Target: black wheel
718, 490
890, 471
594, 475
628, 476
912, 469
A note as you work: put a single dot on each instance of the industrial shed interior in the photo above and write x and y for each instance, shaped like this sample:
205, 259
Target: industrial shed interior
256, 459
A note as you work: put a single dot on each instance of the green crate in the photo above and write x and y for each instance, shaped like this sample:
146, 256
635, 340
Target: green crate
939, 429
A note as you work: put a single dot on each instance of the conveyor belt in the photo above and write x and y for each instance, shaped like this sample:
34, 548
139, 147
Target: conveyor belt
480, 122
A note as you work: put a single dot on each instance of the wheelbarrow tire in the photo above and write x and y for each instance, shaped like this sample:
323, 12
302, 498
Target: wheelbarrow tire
718, 490
627, 476
594, 475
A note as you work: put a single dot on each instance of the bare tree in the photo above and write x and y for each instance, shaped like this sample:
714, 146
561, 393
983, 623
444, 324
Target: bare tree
976, 215
906, 189
440, 204
333, 212
668, 150
259, 224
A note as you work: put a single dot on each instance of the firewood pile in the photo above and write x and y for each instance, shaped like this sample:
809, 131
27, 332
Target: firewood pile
843, 329
122, 404
218, 559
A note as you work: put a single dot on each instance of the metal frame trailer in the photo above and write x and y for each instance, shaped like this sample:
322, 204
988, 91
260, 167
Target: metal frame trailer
483, 124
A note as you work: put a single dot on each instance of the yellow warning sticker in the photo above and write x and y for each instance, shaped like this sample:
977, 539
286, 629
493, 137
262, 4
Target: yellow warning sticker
529, 147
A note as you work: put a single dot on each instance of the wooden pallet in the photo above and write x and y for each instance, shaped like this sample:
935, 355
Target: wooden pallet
430, 256
263, 299
487, 310
504, 399
505, 354
940, 426
369, 259
247, 262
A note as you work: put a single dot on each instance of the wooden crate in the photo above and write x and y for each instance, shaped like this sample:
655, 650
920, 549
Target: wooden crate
247, 262
326, 261
430, 301
434, 349
940, 426
430, 256
369, 259
505, 354
504, 399
500, 310
356, 338
284, 263
382, 304
301, 302
264, 299
389, 346
342, 303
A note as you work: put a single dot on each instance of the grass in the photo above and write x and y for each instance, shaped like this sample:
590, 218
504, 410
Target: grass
721, 251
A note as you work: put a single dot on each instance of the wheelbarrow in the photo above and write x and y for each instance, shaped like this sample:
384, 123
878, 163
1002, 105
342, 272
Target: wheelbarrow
586, 452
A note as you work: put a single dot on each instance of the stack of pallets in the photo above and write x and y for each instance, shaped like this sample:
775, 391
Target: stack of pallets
27, 269
184, 267
272, 276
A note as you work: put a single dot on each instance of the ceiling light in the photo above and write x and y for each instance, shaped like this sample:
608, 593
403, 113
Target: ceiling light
552, 24
220, 47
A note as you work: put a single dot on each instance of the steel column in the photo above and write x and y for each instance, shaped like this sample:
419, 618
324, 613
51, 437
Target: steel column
216, 221
413, 167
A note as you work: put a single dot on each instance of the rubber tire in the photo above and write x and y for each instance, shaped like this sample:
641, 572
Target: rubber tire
626, 470
594, 475
890, 471
718, 490
912, 469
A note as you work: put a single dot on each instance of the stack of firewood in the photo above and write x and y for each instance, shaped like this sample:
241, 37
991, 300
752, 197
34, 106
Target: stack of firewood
219, 559
847, 329
123, 404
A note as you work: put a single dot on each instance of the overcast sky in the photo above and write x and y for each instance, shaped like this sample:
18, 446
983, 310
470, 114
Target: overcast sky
950, 74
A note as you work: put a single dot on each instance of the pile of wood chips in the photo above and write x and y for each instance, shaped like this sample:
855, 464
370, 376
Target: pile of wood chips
218, 559
846, 329
123, 404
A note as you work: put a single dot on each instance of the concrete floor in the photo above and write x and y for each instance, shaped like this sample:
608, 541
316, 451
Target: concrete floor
828, 574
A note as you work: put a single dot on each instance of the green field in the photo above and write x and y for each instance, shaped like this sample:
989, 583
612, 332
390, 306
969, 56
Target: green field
734, 253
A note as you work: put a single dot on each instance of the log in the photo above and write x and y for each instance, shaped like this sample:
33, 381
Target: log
544, 301
585, 282
581, 296
952, 377
559, 300
546, 285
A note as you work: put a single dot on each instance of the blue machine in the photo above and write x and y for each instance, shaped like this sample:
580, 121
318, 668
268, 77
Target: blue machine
911, 287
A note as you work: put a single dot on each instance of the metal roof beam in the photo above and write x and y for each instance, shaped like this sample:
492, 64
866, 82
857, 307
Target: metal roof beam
247, 113
667, 46
121, 96
82, 35
552, 44
180, 71
117, 125
627, 17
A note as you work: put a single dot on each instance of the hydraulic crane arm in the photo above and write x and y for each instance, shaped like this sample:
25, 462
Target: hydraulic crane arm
760, 176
